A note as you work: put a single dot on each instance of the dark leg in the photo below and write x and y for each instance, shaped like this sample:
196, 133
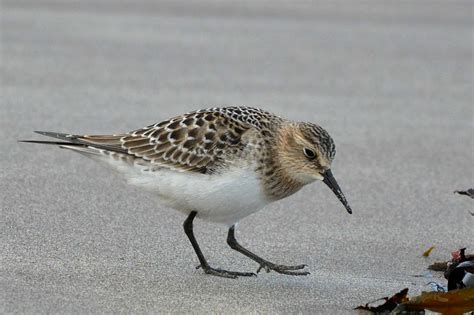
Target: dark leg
188, 229
263, 263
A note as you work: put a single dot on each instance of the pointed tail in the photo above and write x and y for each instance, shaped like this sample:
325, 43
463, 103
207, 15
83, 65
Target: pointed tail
109, 142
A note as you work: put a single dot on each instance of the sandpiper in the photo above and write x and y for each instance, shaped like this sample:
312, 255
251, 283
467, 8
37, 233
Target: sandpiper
217, 164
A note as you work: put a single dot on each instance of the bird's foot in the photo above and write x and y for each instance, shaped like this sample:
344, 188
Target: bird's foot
225, 273
287, 270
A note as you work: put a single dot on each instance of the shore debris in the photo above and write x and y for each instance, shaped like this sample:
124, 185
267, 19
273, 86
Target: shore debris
428, 251
469, 192
389, 305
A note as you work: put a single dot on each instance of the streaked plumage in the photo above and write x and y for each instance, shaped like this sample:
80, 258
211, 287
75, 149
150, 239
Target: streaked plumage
221, 163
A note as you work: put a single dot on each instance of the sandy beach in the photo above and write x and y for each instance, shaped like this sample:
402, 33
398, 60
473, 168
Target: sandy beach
391, 81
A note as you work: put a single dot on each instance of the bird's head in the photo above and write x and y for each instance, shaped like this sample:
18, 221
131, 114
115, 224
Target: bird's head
306, 151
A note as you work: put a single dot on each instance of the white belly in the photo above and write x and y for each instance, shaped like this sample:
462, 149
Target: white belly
224, 198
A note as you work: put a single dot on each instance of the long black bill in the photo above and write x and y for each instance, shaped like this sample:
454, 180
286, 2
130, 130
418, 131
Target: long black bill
331, 182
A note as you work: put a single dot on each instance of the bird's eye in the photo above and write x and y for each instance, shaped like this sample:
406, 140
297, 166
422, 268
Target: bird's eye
310, 154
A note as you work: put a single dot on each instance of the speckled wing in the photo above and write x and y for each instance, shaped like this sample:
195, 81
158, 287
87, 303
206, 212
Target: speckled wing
199, 141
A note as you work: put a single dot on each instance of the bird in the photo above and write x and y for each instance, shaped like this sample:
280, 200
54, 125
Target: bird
218, 164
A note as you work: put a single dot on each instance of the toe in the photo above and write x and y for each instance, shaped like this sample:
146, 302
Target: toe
287, 270
292, 273
297, 267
